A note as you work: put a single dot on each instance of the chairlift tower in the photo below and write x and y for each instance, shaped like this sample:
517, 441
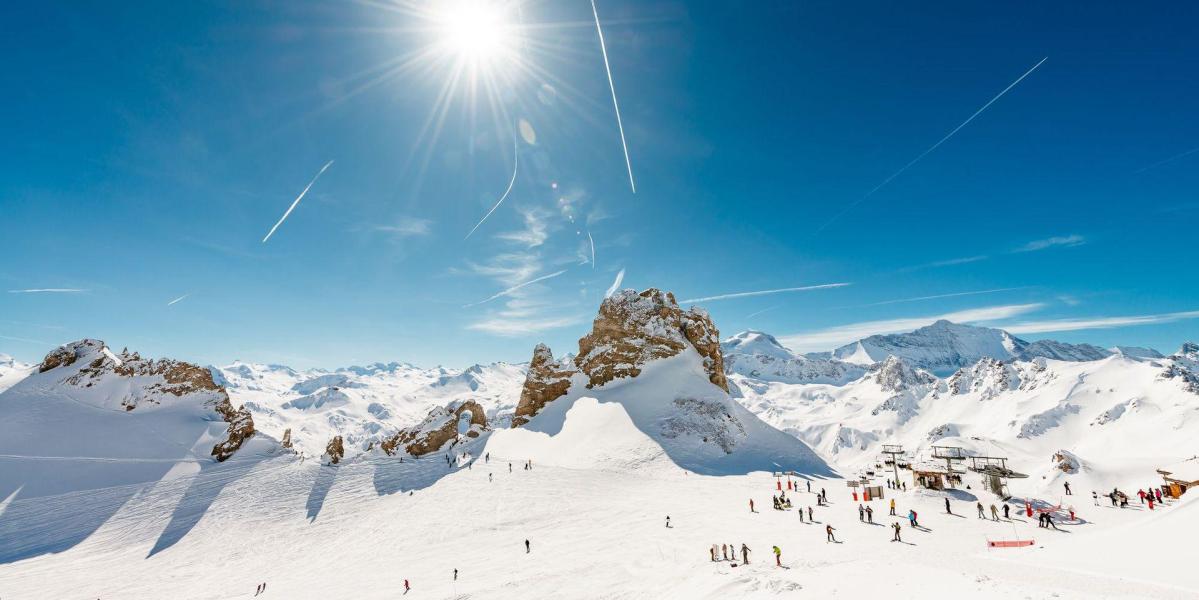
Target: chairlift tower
950, 454
894, 451
995, 473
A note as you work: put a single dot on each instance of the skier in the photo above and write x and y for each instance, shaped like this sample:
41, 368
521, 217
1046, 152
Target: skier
861, 513
809, 513
778, 557
809, 487
751, 505
1095, 497
828, 531
1071, 509
744, 554
800, 511
895, 526
869, 515
1141, 493
1158, 493
947, 509
1007, 511
528, 548
981, 515
489, 478
994, 513
1150, 501
487, 457
912, 518
724, 551
712, 552
892, 507
1067, 486
406, 587
258, 589
1049, 521
455, 574
668, 521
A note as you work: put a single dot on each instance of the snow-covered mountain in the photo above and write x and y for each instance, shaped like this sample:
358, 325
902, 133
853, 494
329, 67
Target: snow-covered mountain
761, 356
363, 405
12, 371
944, 346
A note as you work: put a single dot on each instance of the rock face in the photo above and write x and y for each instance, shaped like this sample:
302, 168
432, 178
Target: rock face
149, 382
631, 329
335, 451
634, 328
439, 428
546, 381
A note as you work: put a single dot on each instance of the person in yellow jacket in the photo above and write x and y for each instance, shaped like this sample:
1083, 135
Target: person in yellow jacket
892, 507
778, 557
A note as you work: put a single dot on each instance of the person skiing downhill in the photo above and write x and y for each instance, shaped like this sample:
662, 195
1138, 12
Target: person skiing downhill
981, 515
751, 505
778, 557
406, 586
828, 531
744, 554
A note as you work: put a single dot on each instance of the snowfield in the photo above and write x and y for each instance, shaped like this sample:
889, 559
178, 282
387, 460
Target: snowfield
99, 499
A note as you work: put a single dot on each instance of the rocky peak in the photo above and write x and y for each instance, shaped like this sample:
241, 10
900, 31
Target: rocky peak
635, 328
988, 376
1189, 350
631, 329
437, 429
894, 375
90, 363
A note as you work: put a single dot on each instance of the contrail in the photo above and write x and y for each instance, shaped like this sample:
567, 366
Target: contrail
615, 284
592, 248
178, 299
48, 291
612, 86
805, 288
514, 288
1167, 161
754, 314
515, 164
931, 148
294, 203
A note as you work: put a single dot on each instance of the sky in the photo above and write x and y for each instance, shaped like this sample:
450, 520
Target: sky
817, 170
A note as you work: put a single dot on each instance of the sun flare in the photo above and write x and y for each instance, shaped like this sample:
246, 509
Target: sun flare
477, 32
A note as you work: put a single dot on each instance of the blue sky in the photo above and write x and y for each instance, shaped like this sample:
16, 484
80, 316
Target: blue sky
150, 147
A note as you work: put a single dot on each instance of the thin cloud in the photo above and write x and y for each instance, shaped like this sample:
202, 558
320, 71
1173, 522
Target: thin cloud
509, 327
947, 263
592, 242
1099, 322
407, 227
49, 291
832, 337
515, 288
939, 296
933, 147
1065, 241
754, 314
534, 234
805, 288
615, 284
25, 340
295, 202
180, 298
1167, 161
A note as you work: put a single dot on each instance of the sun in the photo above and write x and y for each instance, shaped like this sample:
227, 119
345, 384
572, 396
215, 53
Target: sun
477, 32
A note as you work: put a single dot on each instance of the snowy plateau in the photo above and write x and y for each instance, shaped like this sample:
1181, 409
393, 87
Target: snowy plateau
620, 462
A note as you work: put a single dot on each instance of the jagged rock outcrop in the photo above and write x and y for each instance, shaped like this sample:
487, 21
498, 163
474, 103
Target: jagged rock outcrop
547, 380
1183, 366
335, 450
1066, 462
894, 375
439, 428
631, 329
152, 382
634, 328
989, 377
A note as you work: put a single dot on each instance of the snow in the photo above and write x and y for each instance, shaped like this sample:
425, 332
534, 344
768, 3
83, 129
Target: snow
12, 371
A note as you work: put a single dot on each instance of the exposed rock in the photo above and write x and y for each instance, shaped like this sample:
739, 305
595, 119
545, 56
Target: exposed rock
631, 329
894, 375
547, 380
287, 438
1066, 462
154, 380
439, 428
634, 328
335, 451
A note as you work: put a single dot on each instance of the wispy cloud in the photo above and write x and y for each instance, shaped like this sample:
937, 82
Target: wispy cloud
515, 288
180, 298
940, 296
1162, 163
295, 202
1065, 241
1099, 322
615, 284
946, 263
407, 227
592, 242
49, 291
516, 327
764, 310
25, 340
831, 337
823, 286
535, 232
933, 147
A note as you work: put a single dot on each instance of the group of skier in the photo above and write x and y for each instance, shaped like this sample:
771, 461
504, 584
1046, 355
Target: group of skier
728, 552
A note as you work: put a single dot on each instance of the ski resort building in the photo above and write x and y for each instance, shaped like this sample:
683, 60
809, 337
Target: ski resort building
1180, 476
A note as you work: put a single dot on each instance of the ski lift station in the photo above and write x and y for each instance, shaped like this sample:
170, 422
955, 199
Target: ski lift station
1180, 476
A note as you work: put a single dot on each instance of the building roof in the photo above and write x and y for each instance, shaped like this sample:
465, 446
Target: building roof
1183, 470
